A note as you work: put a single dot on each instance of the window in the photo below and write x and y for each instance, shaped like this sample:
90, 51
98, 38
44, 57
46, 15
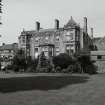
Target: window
46, 38
23, 39
57, 38
36, 49
36, 39
68, 33
57, 53
71, 36
67, 37
99, 57
36, 52
57, 49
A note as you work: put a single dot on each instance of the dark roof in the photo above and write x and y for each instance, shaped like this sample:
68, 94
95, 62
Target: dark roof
13, 46
71, 23
41, 32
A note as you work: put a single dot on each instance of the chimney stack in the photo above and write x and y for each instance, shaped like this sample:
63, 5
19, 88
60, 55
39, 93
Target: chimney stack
37, 26
3, 44
85, 25
56, 24
92, 33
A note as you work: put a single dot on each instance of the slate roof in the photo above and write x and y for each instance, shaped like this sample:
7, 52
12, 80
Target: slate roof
9, 47
42, 32
71, 23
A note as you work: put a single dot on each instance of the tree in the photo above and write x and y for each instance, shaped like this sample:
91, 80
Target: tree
19, 60
0, 11
1, 6
43, 63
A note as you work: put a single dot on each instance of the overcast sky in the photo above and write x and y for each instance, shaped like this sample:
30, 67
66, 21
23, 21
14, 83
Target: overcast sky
19, 14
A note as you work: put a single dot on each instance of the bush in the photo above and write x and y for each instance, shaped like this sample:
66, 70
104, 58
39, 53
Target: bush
19, 61
70, 68
16, 68
63, 61
91, 69
31, 65
9, 67
58, 69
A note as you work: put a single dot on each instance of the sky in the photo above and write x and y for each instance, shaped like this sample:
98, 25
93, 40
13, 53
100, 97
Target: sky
19, 14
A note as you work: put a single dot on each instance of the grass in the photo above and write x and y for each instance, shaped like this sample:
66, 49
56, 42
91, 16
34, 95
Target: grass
52, 89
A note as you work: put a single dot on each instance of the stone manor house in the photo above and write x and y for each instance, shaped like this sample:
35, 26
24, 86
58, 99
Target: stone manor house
70, 39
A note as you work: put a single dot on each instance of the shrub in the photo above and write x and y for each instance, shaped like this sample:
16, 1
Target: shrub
63, 61
19, 61
9, 67
16, 68
58, 69
70, 68
91, 69
31, 65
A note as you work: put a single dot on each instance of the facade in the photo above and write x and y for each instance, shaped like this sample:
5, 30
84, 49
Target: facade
98, 55
7, 52
99, 58
70, 39
24, 42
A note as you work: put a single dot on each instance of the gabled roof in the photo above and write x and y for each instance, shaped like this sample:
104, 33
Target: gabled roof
71, 23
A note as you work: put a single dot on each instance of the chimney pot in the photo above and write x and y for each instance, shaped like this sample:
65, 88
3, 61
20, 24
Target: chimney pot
37, 26
85, 25
91, 32
56, 24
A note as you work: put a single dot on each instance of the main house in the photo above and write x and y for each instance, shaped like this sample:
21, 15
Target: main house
70, 39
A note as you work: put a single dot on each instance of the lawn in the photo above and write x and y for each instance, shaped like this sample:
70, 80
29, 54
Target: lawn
52, 89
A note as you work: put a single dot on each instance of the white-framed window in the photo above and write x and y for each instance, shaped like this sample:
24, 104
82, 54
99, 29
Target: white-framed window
57, 49
57, 53
57, 38
68, 33
46, 38
46, 49
36, 52
67, 37
36, 39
